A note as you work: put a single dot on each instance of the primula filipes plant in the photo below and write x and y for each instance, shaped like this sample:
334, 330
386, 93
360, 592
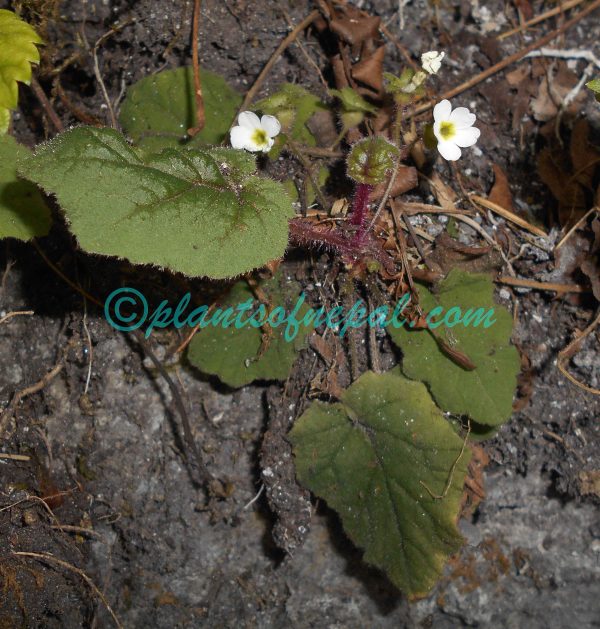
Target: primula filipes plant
453, 129
254, 134
432, 61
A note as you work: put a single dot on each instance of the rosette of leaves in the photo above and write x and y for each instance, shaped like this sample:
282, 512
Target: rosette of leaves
23, 213
354, 107
483, 393
371, 159
18, 50
407, 87
393, 468
198, 212
293, 106
241, 356
159, 109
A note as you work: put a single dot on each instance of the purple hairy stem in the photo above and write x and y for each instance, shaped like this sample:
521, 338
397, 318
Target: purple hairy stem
304, 233
361, 205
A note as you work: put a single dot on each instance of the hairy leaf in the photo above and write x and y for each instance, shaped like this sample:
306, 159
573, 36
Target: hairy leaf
199, 212
372, 458
159, 109
294, 107
233, 355
485, 393
18, 51
23, 213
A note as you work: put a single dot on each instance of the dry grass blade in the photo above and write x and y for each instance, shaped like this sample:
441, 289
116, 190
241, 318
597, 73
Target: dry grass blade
509, 216
546, 286
517, 56
564, 6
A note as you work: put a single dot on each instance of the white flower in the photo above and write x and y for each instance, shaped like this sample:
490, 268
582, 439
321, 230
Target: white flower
253, 134
453, 129
432, 61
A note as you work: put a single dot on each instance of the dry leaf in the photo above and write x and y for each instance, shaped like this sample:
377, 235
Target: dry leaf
444, 194
406, 180
370, 70
552, 92
525, 7
356, 29
500, 193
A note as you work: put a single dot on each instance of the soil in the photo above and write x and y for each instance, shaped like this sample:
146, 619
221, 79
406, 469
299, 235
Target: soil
109, 455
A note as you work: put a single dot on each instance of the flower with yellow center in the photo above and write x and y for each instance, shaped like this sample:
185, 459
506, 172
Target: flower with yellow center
453, 129
254, 134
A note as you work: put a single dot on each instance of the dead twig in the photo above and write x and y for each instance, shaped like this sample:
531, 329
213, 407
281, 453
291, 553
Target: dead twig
571, 349
200, 113
14, 457
15, 313
576, 226
260, 79
452, 469
48, 558
45, 103
563, 6
23, 393
509, 216
546, 286
517, 56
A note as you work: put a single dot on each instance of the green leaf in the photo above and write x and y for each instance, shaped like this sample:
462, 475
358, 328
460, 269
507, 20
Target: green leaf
159, 109
4, 120
352, 101
293, 106
198, 212
369, 457
18, 51
371, 159
233, 354
594, 85
485, 394
23, 213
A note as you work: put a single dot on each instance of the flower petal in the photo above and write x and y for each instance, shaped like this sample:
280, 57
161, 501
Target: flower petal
463, 118
271, 125
442, 110
466, 137
240, 137
249, 120
449, 151
269, 146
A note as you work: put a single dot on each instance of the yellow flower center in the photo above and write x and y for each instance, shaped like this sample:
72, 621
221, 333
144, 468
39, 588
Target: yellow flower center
260, 137
447, 130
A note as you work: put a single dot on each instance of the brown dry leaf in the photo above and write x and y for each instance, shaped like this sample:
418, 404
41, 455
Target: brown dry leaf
474, 490
516, 77
525, 7
406, 180
450, 253
370, 70
570, 175
591, 266
356, 28
589, 483
444, 194
322, 126
584, 157
417, 150
500, 193
552, 92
